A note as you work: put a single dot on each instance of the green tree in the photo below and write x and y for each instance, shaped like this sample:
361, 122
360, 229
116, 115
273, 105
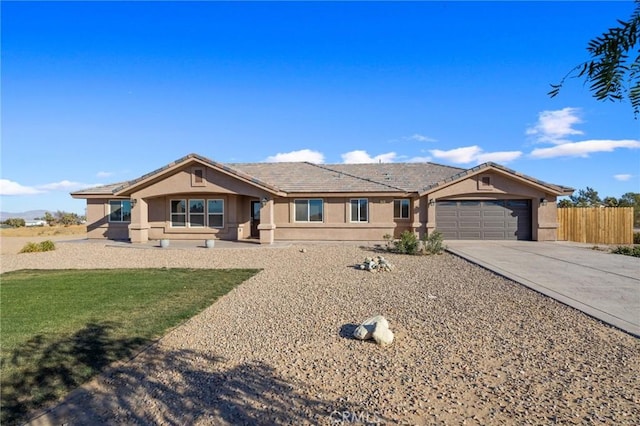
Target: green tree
612, 74
632, 199
50, 219
564, 203
15, 222
586, 198
610, 202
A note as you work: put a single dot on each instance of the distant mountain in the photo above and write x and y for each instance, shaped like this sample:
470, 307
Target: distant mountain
29, 215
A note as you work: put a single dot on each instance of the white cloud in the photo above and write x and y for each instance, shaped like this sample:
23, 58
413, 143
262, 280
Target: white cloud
554, 126
419, 160
104, 174
8, 187
623, 177
499, 157
297, 156
64, 185
419, 138
470, 154
361, 157
584, 148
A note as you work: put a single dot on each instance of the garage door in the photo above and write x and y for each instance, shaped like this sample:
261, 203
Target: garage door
484, 220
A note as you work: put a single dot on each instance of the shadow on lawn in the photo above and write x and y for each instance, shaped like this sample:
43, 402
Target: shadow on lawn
168, 387
45, 368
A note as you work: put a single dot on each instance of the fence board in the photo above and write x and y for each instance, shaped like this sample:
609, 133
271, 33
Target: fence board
596, 225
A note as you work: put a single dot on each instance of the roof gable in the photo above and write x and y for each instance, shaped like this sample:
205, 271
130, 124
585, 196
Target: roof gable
157, 174
555, 189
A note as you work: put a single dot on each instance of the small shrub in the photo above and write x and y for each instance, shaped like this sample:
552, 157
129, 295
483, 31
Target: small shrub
15, 222
636, 238
627, 250
407, 244
433, 244
47, 245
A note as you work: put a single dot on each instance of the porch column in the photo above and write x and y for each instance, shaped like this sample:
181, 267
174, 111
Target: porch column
418, 213
139, 226
429, 205
267, 227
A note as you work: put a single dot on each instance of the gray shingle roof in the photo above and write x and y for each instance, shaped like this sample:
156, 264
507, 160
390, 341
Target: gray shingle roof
304, 177
308, 177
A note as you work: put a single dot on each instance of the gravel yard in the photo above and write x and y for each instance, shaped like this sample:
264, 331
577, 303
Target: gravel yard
470, 347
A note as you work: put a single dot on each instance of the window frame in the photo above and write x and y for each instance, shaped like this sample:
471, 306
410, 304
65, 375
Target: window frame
402, 201
307, 203
359, 211
187, 214
209, 213
121, 209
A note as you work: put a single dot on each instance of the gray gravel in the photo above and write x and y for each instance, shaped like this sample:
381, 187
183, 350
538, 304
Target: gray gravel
470, 347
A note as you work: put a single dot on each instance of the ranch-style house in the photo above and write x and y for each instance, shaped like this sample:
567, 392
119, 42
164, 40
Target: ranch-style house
197, 198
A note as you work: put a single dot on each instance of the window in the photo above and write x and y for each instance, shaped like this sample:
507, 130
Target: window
200, 213
178, 213
401, 209
197, 177
119, 211
359, 210
215, 209
484, 183
196, 213
308, 210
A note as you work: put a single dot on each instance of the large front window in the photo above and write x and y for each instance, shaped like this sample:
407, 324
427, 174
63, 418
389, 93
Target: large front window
308, 210
119, 211
401, 209
200, 213
359, 210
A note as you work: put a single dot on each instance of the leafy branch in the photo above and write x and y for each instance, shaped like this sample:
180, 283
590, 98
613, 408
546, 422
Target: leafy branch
612, 74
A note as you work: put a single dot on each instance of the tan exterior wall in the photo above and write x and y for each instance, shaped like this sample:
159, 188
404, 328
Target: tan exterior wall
98, 225
336, 223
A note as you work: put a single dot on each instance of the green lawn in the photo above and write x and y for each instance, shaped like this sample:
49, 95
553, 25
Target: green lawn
58, 328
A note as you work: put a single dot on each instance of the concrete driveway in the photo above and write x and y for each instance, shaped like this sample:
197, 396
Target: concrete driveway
603, 285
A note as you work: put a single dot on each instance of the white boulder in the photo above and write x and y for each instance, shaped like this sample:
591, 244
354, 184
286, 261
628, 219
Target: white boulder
367, 330
382, 335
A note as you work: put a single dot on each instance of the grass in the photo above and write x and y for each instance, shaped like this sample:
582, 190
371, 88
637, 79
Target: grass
62, 327
43, 231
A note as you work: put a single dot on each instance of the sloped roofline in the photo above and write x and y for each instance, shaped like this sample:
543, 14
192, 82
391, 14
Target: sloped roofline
133, 184
328, 167
555, 189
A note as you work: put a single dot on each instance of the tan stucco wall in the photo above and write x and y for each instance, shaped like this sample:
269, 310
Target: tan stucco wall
98, 225
336, 223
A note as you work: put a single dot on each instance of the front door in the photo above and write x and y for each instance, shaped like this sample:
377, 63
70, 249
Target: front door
255, 219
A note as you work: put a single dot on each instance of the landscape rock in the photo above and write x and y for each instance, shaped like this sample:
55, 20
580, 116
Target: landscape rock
366, 330
377, 263
382, 335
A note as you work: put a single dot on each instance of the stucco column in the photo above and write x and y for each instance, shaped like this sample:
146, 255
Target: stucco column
546, 220
267, 226
429, 208
418, 216
139, 226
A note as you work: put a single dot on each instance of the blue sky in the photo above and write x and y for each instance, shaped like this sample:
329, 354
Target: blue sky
96, 93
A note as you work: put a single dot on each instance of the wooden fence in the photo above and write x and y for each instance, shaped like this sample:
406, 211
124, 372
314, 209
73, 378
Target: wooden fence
596, 225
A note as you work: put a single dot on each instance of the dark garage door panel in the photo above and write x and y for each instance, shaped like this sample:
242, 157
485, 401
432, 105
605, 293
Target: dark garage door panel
484, 220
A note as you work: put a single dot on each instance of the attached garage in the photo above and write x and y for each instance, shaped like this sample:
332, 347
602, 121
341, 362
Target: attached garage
484, 219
